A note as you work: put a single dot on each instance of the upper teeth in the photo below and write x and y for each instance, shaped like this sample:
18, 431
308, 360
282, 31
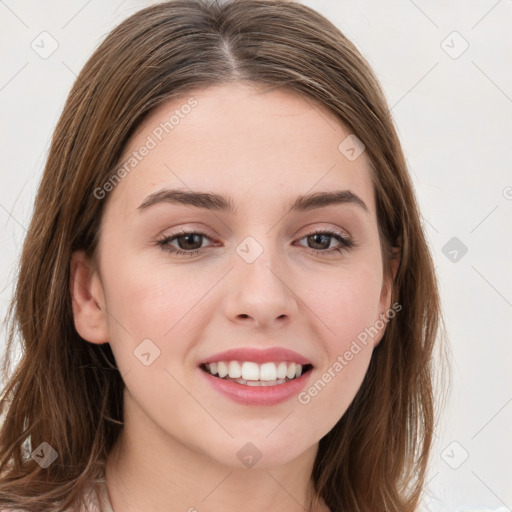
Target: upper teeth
249, 370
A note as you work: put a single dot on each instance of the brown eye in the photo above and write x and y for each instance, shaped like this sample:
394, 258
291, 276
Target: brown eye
188, 243
320, 242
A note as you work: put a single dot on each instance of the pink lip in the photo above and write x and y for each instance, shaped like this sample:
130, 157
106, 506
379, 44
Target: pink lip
257, 395
258, 356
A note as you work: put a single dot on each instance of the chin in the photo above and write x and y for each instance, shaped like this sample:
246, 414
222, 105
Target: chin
258, 452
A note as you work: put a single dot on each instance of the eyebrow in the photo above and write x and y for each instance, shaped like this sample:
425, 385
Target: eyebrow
220, 203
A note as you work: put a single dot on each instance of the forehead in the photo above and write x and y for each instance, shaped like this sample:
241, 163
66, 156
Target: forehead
244, 142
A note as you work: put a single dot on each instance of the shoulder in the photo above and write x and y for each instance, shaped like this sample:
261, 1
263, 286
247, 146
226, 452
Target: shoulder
97, 499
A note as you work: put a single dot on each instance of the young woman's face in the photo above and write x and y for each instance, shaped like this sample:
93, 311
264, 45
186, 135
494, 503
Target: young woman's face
238, 182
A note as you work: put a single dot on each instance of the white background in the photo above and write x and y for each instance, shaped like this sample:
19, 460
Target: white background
454, 118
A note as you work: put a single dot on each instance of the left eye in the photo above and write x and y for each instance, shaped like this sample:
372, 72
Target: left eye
190, 242
345, 243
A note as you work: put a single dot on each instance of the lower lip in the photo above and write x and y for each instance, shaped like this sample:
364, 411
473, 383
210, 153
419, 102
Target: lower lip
257, 395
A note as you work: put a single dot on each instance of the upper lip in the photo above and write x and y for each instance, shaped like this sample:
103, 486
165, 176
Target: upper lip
256, 355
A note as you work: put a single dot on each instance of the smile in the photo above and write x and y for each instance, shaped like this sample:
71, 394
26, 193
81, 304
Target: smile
251, 373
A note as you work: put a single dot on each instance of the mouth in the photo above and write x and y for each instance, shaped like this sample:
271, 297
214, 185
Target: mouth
250, 373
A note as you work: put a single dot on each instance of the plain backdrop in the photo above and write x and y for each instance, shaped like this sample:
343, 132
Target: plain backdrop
445, 69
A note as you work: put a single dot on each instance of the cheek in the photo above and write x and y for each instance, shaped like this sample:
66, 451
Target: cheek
152, 321
152, 301
348, 350
347, 303
335, 386
157, 313
348, 310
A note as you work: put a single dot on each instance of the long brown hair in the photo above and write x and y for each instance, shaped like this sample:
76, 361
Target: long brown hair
69, 393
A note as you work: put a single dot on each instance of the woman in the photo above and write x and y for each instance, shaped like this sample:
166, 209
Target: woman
283, 360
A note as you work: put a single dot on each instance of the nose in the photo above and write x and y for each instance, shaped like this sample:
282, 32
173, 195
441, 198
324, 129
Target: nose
261, 293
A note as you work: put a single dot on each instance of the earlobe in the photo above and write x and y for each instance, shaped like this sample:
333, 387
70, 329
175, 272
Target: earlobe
387, 286
386, 292
395, 262
87, 299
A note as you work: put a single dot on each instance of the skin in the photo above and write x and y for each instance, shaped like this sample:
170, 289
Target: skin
181, 437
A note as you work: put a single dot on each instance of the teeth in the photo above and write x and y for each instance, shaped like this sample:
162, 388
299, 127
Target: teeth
282, 369
250, 371
268, 371
260, 383
235, 371
222, 369
253, 374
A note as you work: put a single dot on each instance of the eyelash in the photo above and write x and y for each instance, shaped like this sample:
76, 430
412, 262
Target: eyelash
346, 243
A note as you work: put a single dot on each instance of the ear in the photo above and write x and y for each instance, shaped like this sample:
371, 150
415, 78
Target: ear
88, 301
386, 292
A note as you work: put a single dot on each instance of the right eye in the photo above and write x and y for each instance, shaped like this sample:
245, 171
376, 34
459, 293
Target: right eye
188, 241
